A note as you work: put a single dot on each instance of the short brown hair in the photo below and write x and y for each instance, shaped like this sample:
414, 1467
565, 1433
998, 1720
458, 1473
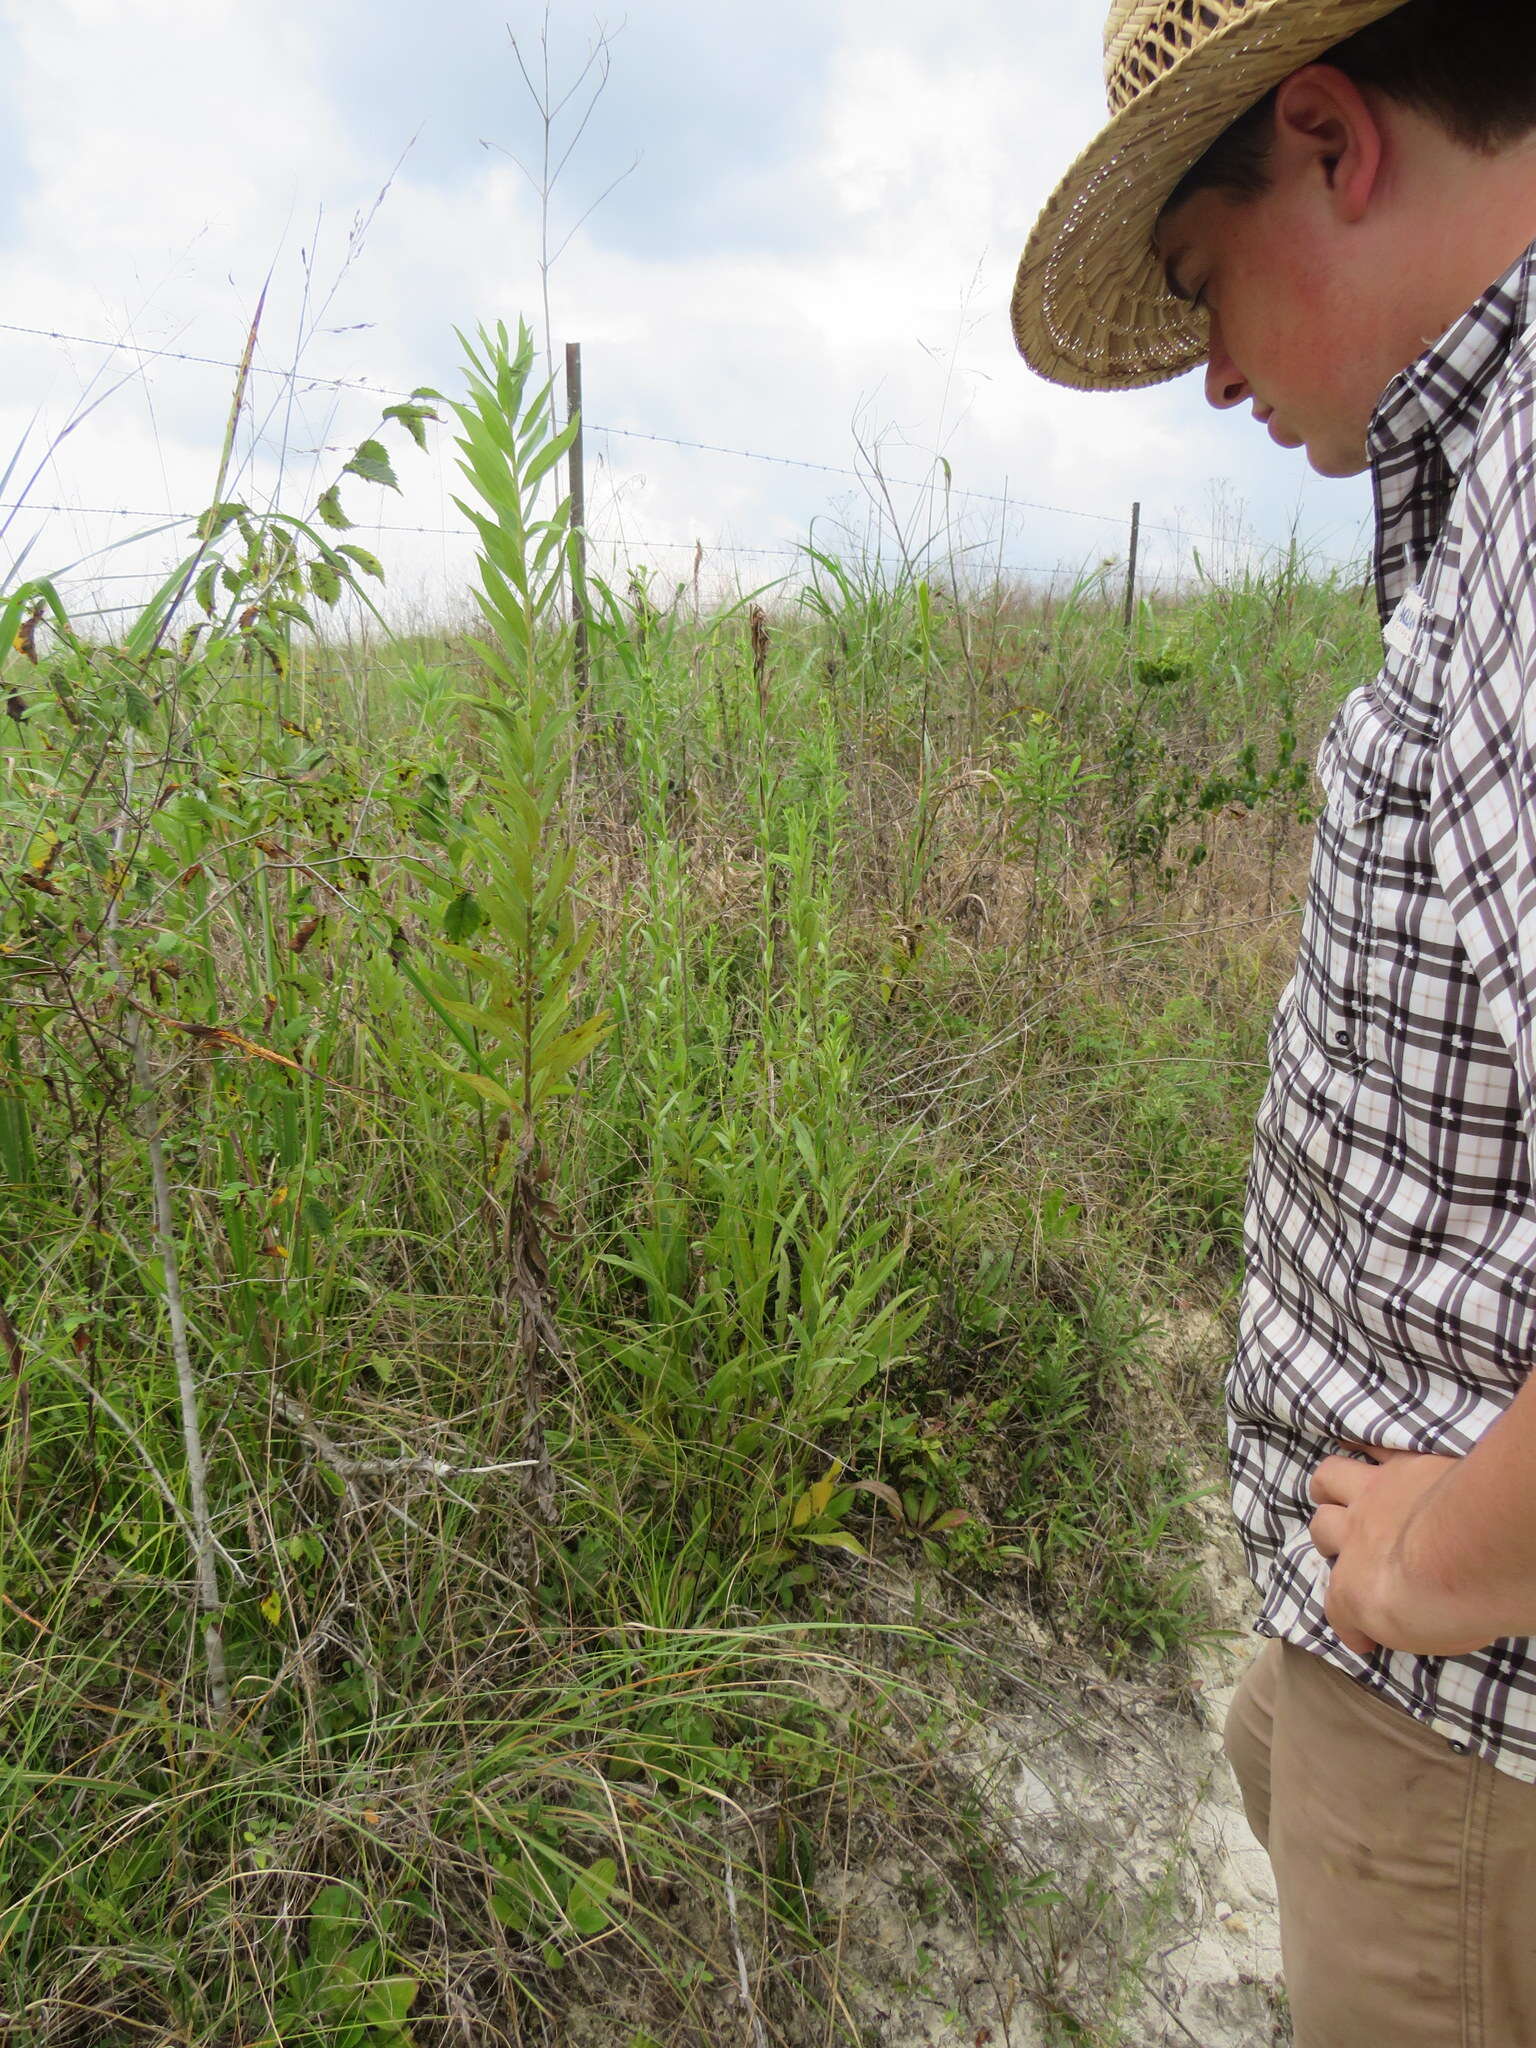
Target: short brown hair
1468, 64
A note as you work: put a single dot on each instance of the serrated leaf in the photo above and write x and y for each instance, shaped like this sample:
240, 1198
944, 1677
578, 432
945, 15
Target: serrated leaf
217, 518
290, 608
203, 588
412, 418
324, 582
330, 512
371, 462
137, 708
369, 564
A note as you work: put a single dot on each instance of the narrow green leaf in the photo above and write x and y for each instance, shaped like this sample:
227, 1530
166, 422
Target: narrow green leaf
549, 455
478, 1084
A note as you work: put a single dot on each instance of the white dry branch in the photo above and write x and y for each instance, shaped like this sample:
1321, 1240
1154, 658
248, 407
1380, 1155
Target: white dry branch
210, 1599
349, 1468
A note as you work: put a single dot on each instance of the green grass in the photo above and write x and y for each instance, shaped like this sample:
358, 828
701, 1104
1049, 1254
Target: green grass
581, 1179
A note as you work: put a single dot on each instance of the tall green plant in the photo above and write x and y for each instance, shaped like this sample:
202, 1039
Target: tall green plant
525, 975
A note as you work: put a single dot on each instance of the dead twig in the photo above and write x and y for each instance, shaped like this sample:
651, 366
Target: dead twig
346, 1467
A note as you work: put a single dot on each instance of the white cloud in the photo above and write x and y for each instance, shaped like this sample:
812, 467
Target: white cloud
173, 154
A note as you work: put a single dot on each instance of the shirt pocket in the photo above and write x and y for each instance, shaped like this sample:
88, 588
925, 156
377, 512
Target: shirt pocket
1375, 770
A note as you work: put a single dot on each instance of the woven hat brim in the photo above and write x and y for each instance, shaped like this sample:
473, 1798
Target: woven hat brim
1091, 308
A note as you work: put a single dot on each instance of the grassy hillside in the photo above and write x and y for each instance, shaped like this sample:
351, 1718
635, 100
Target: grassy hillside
515, 1206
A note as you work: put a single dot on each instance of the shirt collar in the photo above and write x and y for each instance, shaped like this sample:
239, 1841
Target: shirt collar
1442, 395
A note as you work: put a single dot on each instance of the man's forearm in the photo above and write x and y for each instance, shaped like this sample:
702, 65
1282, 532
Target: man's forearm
1472, 1541
1433, 1555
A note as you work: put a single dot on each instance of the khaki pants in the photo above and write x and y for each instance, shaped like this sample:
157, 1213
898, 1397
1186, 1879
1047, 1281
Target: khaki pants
1406, 1872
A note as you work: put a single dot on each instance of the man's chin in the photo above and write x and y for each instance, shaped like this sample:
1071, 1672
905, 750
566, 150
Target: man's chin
1337, 462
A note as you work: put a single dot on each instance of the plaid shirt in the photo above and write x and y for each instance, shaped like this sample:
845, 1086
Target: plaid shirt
1391, 1226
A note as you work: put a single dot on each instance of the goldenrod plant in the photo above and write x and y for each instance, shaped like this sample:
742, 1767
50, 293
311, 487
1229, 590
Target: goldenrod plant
510, 920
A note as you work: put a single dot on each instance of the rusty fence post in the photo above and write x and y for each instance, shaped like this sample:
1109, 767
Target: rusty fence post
577, 465
1130, 573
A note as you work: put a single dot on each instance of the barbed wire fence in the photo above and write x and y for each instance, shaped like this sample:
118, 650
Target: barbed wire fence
1124, 530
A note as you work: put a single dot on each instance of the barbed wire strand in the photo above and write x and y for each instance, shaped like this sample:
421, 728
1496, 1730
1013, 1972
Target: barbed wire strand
622, 545
627, 433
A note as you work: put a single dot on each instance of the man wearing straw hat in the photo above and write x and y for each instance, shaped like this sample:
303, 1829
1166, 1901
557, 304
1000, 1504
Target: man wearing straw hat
1331, 204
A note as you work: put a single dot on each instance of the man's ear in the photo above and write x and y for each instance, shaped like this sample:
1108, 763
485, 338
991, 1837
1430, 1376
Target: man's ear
1323, 118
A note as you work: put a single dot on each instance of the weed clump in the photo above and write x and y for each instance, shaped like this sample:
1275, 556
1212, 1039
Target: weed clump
520, 1210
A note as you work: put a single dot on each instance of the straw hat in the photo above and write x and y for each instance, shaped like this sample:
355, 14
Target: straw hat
1090, 307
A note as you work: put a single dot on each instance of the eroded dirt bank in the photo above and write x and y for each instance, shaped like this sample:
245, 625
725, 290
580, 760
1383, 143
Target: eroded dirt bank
1154, 1916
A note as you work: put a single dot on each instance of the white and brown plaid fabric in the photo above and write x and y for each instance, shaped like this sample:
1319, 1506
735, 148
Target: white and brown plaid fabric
1391, 1228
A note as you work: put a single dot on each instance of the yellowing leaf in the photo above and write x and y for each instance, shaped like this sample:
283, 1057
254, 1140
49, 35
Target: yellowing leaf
272, 1608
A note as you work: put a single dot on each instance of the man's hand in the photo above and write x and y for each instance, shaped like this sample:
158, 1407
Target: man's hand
1381, 1592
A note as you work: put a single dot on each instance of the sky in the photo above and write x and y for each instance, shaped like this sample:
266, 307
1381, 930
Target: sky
789, 230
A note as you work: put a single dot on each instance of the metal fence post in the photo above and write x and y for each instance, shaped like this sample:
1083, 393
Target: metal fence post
578, 519
1130, 573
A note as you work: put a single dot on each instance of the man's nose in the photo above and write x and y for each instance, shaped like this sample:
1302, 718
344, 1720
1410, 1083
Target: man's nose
1225, 384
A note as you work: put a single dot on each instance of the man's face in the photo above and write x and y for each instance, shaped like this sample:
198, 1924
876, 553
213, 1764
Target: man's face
1295, 327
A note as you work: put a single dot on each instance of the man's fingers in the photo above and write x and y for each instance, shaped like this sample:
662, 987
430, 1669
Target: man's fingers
1327, 1529
1340, 1481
